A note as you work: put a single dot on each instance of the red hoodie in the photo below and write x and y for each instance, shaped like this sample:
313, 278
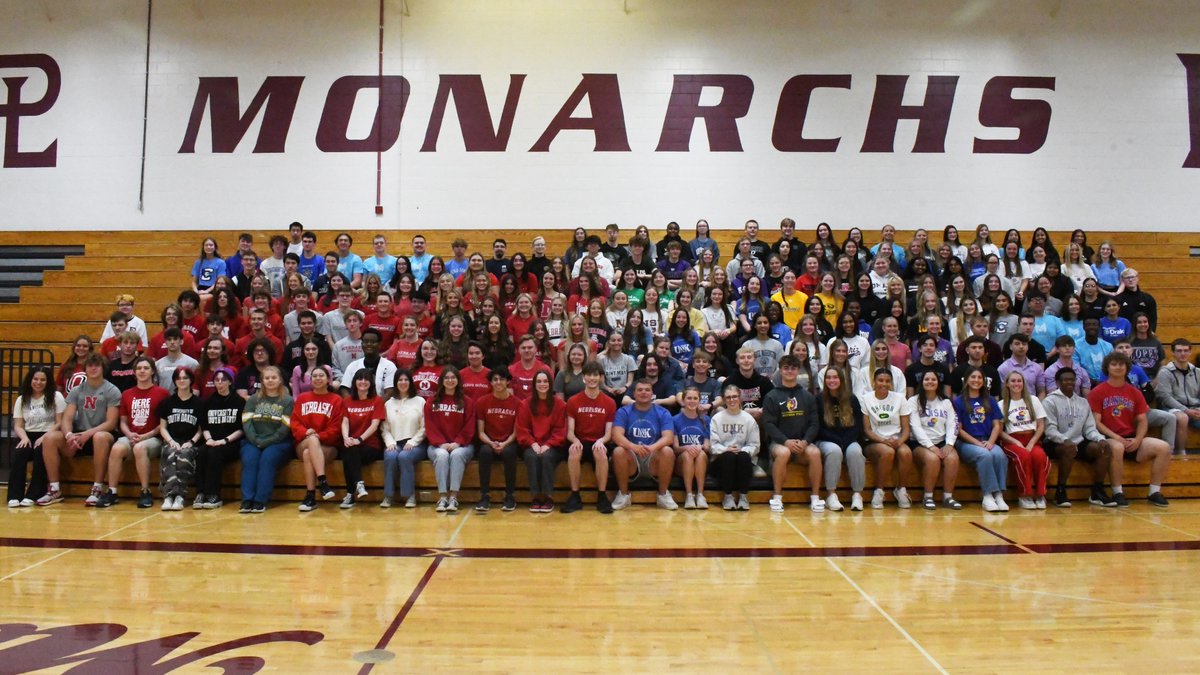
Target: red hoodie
542, 429
319, 412
447, 421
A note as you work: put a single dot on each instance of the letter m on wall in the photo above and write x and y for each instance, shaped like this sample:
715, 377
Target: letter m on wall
275, 101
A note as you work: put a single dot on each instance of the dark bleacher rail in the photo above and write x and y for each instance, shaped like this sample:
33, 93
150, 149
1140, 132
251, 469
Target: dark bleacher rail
26, 266
14, 363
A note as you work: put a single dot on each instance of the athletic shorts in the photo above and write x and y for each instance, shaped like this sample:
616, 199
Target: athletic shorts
643, 467
153, 445
587, 456
792, 456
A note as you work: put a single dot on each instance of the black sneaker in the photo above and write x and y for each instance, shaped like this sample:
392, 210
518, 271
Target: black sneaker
1119, 500
309, 503
603, 505
146, 500
246, 507
325, 491
574, 503
109, 498
213, 502
258, 507
484, 504
1157, 499
1060, 498
510, 503
1100, 497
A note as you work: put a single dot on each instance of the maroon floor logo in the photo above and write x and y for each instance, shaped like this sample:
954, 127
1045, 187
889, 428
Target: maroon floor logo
80, 645
13, 108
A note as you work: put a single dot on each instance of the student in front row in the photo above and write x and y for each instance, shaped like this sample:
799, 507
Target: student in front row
496, 416
37, 411
980, 423
316, 427
266, 422
887, 431
221, 421
590, 415
180, 430
644, 433
542, 431
734, 440
691, 448
361, 442
934, 427
790, 423
139, 425
1071, 434
1024, 424
450, 428
87, 429
404, 440
1120, 411
842, 427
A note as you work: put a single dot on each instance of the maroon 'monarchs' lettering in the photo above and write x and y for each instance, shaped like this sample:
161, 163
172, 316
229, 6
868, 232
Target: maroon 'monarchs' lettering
276, 99
608, 116
12, 109
887, 110
788, 133
720, 120
1031, 117
474, 119
339, 105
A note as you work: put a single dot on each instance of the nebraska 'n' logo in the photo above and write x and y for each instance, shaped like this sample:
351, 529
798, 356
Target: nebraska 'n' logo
89, 402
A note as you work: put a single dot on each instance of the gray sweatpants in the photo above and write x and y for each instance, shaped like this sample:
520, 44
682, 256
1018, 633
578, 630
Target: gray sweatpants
856, 465
449, 466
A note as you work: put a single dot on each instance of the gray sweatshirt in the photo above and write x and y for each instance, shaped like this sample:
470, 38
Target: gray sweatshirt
727, 431
1176, 389
1069, 419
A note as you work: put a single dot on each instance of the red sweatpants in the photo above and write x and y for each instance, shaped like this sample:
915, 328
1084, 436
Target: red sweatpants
1030, 466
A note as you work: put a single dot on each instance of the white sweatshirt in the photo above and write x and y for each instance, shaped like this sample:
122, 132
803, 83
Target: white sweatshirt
935, 425
727, 431
405, 420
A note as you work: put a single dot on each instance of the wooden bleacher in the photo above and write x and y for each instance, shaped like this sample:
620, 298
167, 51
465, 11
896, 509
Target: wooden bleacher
154, 267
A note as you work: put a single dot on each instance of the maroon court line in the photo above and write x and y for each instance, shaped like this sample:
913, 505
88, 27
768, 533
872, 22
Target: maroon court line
994, 533
408, 605
600, 553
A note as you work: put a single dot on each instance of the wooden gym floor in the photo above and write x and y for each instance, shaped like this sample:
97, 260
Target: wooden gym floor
372, 591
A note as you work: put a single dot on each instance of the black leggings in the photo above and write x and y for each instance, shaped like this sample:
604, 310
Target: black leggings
353, 460
38, 484
210, 464
734, 471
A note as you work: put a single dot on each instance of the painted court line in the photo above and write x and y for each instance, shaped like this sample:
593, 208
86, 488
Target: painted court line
403, 613
1000, 536
867, 596
36, 564
1162, 525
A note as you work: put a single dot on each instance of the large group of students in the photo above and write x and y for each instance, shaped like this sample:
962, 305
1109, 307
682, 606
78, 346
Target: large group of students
646, 360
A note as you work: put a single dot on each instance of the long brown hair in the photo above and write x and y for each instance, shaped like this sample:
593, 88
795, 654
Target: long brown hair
841, 403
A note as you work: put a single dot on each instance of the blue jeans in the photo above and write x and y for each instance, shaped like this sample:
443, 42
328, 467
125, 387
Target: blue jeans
259, 468
405, 462
992, 466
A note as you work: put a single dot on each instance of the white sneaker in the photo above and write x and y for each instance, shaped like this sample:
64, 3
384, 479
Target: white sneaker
1040, 503
442, 502
856, 503
411, 503
833, 503
902, 498
14, 503
689, 502
360, 490
1026, 503
743, 503
93, 497
385, 503
1001, 505
167, 504
452, 505
728, 503
27, 502
666, 501
178, 505
701, 502
817, 504
776, 504
347, 502
877, 499
989, 504
759, 472
621, 501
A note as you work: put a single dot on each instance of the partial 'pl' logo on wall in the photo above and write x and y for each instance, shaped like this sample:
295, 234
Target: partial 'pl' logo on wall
13, 108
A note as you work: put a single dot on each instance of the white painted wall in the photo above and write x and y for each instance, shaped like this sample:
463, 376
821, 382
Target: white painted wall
1113, 158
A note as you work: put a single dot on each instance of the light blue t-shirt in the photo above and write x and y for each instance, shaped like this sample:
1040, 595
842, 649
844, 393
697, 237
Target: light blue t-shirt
691, 431
385, 267
644, 427
206, 271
